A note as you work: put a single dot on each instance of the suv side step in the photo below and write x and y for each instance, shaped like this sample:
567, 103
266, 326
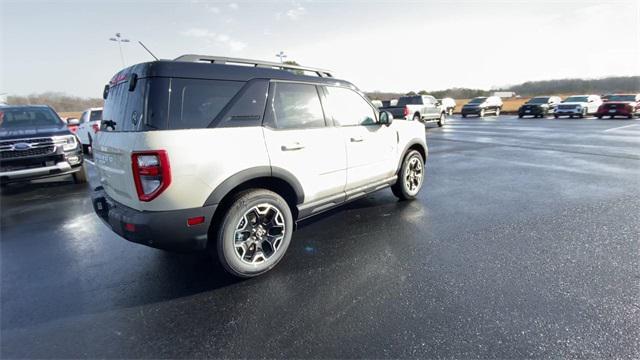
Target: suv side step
307, 210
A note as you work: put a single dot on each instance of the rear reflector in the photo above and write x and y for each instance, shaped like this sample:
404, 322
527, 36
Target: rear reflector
130, 227
195, 220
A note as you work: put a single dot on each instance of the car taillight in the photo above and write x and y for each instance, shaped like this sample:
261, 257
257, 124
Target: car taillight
96, 127
405, 111
151, 173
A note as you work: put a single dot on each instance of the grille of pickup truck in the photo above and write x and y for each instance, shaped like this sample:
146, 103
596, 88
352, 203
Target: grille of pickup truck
12, 149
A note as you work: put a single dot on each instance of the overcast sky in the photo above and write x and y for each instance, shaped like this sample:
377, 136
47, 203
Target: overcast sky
382, 45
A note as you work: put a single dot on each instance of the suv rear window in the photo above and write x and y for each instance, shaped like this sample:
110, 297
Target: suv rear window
124, 110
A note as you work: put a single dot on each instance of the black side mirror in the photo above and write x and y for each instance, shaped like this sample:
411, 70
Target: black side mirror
105, 92
386, 118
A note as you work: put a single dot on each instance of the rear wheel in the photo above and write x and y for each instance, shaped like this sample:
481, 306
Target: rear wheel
450, 112
410, 176
441, 120
254, 233
85, 149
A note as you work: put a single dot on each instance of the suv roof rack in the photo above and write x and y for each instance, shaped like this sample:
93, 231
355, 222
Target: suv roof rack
255, 63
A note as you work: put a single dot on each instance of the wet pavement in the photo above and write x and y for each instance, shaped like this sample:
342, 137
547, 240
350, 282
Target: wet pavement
525, 242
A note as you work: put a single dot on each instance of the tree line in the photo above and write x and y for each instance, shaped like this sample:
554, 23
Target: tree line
61, 102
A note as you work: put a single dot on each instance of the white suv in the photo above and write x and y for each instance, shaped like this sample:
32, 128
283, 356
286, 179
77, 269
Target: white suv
201, 153
88, 127
578, 105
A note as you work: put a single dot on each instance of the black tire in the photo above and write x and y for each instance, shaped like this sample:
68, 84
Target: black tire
442, 119
520, 116
80, 176
239, 209
599, 117
556, 116
85, 149
402, 188
464, 115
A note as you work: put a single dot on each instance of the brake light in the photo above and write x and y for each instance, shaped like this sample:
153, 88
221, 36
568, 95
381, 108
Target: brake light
96, 127
151, 173
405, 111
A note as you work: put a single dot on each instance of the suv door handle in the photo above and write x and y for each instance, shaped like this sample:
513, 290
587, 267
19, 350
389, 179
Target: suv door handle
292, 147
357, 139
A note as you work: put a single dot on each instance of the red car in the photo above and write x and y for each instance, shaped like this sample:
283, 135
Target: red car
627, 105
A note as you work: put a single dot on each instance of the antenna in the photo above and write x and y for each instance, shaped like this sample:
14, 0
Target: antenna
149, 51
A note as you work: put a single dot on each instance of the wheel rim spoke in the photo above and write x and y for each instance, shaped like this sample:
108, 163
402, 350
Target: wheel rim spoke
259, 233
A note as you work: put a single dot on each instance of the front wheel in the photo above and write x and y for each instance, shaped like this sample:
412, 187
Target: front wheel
254, 233
410, 176
497, 111
482, 113
441, 120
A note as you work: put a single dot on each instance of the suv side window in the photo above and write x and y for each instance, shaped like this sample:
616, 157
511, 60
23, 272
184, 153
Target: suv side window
295, 106
348, 108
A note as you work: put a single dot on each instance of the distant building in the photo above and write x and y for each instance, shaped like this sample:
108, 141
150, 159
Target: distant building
504, 94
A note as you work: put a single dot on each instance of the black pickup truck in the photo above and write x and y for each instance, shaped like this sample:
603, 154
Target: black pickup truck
35, 143
422, 108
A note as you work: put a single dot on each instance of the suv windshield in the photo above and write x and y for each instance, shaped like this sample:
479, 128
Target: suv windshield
477, 100
576, 99
538, 100
621, 98
19, 117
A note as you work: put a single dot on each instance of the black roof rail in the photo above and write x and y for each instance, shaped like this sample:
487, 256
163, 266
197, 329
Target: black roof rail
255, 63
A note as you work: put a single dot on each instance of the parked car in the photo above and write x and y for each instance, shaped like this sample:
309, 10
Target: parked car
230, 170
89, 127
448, 105
72, 124
481, 106
539, 106
627, 105
35, 143
423, 108
578, 105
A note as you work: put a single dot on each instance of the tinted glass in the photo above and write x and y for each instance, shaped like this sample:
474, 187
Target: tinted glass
124, 110
576, 99
196, 103
477, 100
96, 115
348, 108
296, 106
410, 100
538, 100
622, 98
11, 118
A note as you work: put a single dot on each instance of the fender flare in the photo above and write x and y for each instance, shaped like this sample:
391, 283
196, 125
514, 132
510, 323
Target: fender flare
245, 175
406, 149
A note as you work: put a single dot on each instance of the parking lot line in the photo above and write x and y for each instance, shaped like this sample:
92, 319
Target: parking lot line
620, 127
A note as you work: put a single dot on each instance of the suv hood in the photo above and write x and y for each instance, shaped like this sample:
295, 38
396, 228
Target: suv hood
28, 132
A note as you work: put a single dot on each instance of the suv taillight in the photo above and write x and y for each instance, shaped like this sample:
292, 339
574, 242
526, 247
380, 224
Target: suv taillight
405, 111
151, 173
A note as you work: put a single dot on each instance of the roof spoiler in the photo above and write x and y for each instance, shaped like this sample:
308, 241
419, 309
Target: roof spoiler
255, 63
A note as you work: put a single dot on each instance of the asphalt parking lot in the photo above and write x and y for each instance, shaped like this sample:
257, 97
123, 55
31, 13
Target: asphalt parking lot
525, 242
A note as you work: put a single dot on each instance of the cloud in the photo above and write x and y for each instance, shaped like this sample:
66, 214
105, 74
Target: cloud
213, 9
213, 38
296, 12
233, 6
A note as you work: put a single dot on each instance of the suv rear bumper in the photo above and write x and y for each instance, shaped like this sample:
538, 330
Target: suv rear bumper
159, 229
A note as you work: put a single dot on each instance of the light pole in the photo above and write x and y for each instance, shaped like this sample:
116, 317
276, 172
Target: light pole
119, 39
281, 55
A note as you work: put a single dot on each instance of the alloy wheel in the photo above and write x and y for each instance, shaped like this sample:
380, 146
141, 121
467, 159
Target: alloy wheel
259, 234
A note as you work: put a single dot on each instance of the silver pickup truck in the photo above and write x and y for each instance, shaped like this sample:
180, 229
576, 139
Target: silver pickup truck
424, 108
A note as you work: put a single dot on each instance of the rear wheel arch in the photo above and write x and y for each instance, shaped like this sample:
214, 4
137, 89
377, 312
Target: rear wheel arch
275, 179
